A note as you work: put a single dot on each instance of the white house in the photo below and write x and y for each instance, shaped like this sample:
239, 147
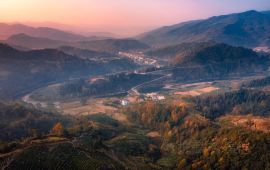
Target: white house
124, 102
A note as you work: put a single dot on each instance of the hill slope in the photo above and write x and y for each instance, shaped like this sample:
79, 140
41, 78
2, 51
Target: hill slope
18, 120
249, 29
113, 45
171, 53
219, 61
84, 53
38, 67
27, 41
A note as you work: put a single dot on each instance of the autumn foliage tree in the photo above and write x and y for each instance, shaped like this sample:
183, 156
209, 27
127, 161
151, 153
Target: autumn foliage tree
58, 129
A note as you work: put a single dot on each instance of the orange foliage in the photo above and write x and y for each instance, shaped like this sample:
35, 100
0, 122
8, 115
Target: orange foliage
245, 147
58, 129
206, 152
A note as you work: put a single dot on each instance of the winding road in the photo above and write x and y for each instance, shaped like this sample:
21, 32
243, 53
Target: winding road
134, 90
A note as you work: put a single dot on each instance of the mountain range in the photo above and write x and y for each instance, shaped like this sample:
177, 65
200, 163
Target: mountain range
248, 29
109, 45
7, 30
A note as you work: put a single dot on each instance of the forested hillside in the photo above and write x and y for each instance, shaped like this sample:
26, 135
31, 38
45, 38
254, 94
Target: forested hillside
248, 29
32, 69
112, 84
191, 141
18, 121
219, 61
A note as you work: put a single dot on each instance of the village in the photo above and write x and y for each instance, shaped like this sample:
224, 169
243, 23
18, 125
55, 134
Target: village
138, 57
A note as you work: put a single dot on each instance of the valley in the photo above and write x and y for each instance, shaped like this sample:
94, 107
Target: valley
194, 95
144, 118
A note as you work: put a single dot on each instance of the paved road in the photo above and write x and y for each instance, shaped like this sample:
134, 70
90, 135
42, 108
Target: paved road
134, 90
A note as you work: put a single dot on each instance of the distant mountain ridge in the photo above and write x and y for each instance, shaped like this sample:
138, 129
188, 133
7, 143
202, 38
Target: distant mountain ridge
113, 45
7, 30
104, 45
248, 29
86, 54
34, 42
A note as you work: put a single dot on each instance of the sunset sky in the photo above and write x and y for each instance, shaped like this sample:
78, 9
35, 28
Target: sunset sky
124, 17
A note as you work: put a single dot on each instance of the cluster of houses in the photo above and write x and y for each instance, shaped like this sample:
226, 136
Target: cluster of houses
262, 49
139, 58
155, 96
146, 97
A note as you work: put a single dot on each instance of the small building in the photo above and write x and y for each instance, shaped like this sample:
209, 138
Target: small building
161, 97
155, 96
124, 102
152, 96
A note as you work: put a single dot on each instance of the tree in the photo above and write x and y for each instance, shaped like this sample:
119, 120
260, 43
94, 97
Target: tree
182, 163
206, 152
58, 129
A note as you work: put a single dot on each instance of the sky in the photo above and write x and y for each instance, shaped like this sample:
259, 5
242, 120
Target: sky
122, 17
